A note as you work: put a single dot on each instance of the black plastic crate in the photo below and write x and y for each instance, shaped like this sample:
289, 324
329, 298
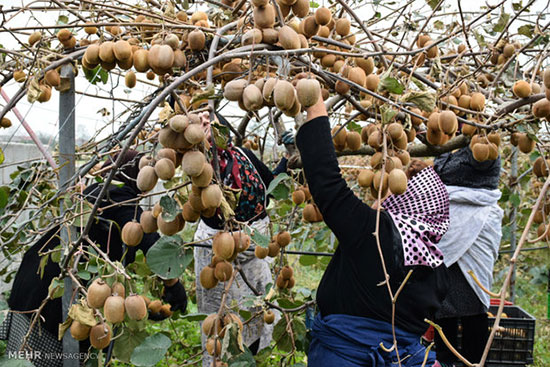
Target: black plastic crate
514, 340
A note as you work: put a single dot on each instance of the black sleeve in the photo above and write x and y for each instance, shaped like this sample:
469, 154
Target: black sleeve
281, 167
338, 204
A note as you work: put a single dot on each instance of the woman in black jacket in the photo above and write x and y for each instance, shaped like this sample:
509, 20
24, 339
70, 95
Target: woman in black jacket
30, 286
355, 307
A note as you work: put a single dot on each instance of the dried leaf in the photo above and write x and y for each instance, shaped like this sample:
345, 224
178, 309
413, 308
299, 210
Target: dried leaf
423, 100
166, 113
83, 314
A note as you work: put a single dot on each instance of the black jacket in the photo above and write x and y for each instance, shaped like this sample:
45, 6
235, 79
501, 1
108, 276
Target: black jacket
29, 288
351, 282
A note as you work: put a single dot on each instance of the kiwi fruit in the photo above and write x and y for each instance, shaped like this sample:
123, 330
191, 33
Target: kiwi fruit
79, 331
365, 177
521, 89
264, 17
477, 101
170, 228
267, 90
189, 214
541, 108
372, 82
309, 27
211, 196
270, 36
140, 60
539, 168
469, 130
261, 252
223, 245
308, 92
281, 282
165, 169
205, 177
114, 309
252, 98
195, 201
480, 152
154, 306
397, 181
300, 8
288, 38
493, 151
46, 93
106, 53
283, 238
342, 26
194, 134
323, 16
546, 78
211, 325
339, 135
273, 249
122, 50
432, 50
167, 153
242, 241
147, 179
193, 163
118, 289
508, 50
64, 35
136, 307
353, 140
298, 197
494, 137
148, 222
132, 233
233, 90
196, 40
395, 130
375, 140
130, 79
284, 95
223, 271
213, 346
98, 292
260, 3
100, 336
357, 75
5, 122
464, 101
252, 37
269, 317
207, 277
19, 76
52, 78
525, 143
447, 122
35, 37
367, 64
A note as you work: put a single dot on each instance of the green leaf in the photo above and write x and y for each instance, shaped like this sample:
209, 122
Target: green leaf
439, 25
388, 113
286, 303
526, 30
515, 199
280, 178
168, 258
2, 157
56, 288
95, 75
62, 19
423, 100
502, 22
194, 317
151, 351
256, 237
232, 343
4, 196
308, 260
127, 342
313, 4
432, 3
354, 126
170, 208
391, 85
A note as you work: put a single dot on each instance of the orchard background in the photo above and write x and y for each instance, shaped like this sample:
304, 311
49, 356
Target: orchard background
386, 69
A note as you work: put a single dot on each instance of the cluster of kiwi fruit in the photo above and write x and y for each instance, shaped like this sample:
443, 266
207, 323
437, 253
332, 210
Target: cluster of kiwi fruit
289, 97
311, 213
214, 326
503, 51
252, 144
285, 279
116, 306
393, 177
345, 139
273, 249
225, 248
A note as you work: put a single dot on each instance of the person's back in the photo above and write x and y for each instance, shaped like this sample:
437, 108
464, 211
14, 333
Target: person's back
355, 306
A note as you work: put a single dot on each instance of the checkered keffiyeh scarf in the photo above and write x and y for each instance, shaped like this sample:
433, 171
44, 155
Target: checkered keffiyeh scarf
421, 215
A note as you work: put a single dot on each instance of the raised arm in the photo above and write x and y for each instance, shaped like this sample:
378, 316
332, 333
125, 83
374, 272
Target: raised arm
336, 201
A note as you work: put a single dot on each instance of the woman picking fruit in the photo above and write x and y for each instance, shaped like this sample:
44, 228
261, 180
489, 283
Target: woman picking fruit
355, 307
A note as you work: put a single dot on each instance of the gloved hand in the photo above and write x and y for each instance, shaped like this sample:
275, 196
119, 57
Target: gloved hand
176, 296
287, 137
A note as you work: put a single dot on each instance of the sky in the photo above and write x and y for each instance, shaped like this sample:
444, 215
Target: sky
43, 117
